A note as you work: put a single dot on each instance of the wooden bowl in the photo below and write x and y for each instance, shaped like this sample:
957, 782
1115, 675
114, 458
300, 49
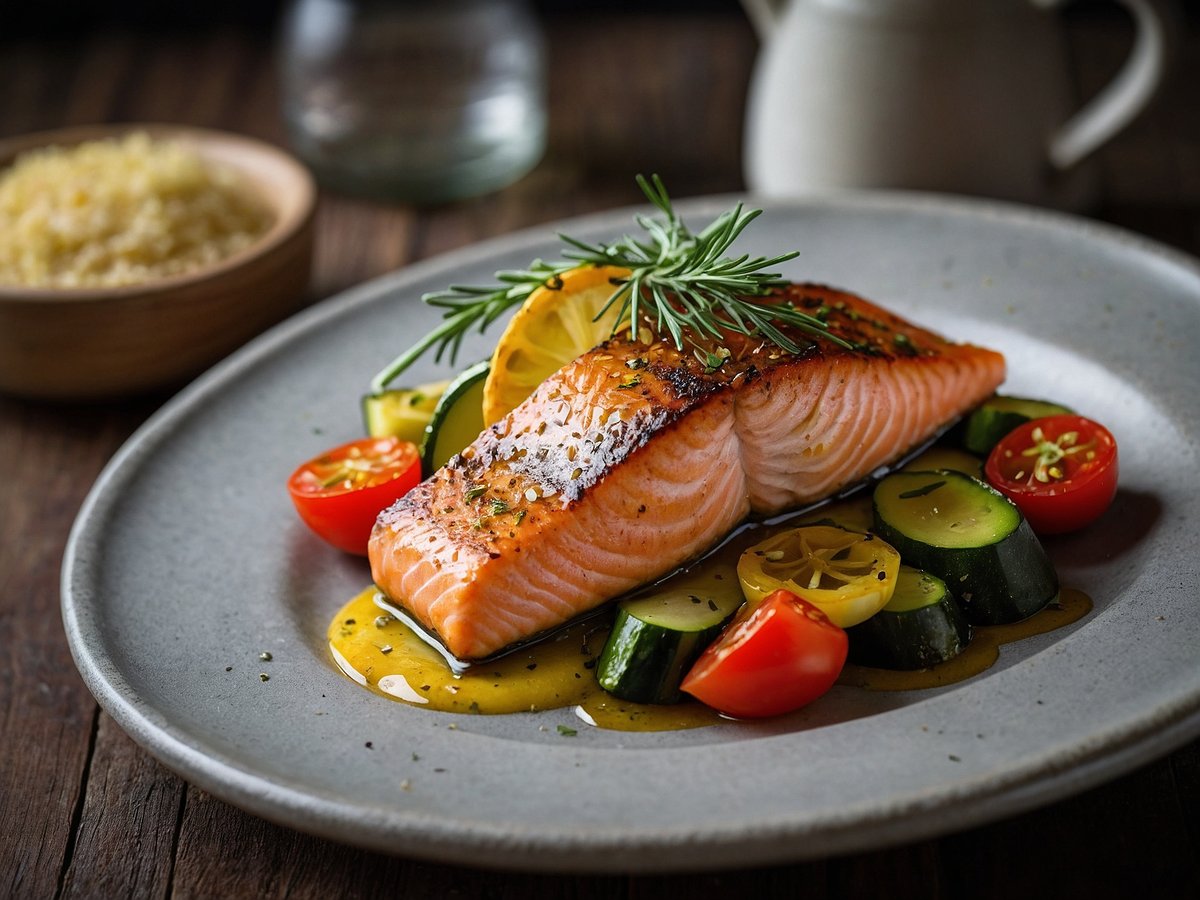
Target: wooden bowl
105, 342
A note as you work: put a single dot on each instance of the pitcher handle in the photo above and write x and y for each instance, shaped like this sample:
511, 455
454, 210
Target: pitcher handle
764, 15
1127, 94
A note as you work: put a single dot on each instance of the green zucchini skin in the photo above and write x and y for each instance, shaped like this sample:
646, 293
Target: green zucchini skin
909, 639
995, 418
645, 663
659, 633
996, 583
457, 420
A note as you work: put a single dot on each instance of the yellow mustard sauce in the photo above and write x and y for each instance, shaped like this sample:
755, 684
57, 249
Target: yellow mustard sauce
385, 655
980, 654
388, 657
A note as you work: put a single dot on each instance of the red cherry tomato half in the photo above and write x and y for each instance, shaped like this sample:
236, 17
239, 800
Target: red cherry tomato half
1060, 471
339, 493
776, 656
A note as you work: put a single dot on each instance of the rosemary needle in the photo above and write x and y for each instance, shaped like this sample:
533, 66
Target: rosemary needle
680, 282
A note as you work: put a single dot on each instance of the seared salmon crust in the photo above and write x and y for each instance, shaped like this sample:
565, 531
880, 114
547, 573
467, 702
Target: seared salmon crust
635, 458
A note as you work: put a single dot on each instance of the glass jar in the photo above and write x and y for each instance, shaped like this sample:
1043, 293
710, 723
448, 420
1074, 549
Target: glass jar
414, 100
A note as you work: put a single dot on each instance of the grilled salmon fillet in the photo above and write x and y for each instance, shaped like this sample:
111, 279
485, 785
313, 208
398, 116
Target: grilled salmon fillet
635, 458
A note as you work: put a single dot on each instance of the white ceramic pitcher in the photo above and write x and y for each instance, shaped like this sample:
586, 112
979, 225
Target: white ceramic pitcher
964, 96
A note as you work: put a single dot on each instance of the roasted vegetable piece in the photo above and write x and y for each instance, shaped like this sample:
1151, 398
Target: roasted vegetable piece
920, 627
339, 493
404, 412
457, 419
658, 634
777, 655
996, 417
848, 575
972, 537
1061, 472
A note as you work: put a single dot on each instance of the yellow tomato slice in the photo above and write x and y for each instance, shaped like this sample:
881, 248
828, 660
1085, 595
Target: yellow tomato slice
848, 575
556, 324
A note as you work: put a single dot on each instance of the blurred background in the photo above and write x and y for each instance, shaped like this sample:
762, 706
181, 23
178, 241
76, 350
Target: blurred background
81, 15
687, 80
75, 16
707, 70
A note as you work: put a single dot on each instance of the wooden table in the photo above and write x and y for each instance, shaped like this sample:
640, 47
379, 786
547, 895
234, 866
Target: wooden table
85, 812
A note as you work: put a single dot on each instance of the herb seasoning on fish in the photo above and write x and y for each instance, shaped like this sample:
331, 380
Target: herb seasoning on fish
702, 450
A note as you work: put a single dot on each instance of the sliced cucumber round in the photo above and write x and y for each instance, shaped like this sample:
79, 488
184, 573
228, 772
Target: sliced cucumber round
659, 634
457, 420
971, 536
921, 626
996, 417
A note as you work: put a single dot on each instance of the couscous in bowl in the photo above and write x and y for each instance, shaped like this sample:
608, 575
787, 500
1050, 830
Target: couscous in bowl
92, 340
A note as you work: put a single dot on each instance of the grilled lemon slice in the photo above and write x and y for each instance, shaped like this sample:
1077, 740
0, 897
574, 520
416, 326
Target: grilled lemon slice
556, 324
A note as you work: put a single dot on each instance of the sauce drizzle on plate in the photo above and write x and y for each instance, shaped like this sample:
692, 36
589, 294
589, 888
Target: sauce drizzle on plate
383, 654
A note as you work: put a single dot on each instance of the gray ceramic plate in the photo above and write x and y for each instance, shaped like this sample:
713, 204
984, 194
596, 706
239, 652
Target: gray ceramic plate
187, 561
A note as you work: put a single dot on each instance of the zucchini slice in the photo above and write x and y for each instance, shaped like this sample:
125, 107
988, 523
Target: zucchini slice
921, 626
940, 457
998, 416
659, 634
972, 537
402, 413
457, 419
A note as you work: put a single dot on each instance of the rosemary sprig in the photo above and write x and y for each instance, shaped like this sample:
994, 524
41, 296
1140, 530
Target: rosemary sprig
686, 280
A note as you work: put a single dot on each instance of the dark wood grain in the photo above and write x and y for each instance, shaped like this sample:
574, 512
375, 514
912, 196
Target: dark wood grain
1127, 839
124, 841
48, 718
84, 812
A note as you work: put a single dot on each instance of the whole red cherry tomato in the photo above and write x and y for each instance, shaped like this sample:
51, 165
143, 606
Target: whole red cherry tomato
779, 654
339, 493
1060, 471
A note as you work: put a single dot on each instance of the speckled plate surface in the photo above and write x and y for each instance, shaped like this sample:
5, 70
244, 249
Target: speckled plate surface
187, 562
